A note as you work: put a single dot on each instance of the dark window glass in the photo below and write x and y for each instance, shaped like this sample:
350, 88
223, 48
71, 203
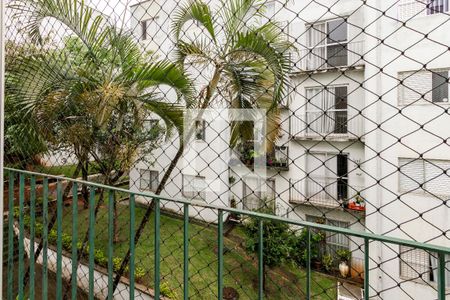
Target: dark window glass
144, 30
337, 31
341, 117
440, 86
200, 130
337, 55
342, 173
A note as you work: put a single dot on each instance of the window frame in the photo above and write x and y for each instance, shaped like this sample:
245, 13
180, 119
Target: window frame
270, 182
419, 277
144, 27
198, 195
315, 110
326, 44
150, 181
328, 234
426, 181
202, 136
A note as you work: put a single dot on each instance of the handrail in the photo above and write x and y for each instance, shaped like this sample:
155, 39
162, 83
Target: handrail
365, 235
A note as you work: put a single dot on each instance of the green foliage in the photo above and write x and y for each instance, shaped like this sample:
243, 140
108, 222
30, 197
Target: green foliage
327, 262
277, 240
300, 246
344, 255
166, 291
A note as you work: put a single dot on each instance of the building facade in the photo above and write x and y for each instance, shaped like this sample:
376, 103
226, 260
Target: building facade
363, 141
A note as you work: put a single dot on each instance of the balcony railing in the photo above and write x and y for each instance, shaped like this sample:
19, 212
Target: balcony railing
327, 57
332, 124
327, 192
65, 240
278, 159
408, 9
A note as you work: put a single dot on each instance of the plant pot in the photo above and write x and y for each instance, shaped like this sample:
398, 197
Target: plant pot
344, 269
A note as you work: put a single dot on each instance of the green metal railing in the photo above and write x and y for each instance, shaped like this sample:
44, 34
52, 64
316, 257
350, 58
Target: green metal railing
25, 276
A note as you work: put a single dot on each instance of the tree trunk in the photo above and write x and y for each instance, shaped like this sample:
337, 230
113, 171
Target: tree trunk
210, 89
84, 190
115, 224
70, 183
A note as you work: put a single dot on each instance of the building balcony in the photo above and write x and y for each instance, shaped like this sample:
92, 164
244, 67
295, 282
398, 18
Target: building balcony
326, 192
334, 125
408, 9
277, 159
327, 57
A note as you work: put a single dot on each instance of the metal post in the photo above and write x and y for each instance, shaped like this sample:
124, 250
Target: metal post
308, 264
2, 118
186, 253
366, 269
260, 259
220, 254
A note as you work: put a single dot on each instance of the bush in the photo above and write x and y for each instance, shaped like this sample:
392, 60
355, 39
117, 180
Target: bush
344, 255
139, 274
166, 291
300, 246
327, 262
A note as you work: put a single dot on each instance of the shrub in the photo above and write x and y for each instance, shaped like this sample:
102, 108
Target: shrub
166, 291
344, 255
66, 241
139, 273
100, 258
300, 246
327, 262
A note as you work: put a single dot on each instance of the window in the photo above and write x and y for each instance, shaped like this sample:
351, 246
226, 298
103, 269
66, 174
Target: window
328, 42
334, 241
440, 86
420, 175
149, 27
327, 177
200, 128
259, 194
326, 110
424, 86
437, 6
149, 180
420, 264
194, 187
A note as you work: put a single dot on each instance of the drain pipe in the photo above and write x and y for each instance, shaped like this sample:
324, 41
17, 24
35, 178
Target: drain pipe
2, 119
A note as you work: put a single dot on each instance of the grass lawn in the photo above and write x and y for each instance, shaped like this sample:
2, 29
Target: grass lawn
240, 267
66, 170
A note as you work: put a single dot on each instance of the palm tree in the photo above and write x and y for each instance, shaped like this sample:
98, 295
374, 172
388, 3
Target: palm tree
86, 91
250, 64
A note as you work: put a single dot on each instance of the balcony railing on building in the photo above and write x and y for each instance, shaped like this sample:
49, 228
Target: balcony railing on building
278, 158
408, 9
329, 192
331, 124
329, 57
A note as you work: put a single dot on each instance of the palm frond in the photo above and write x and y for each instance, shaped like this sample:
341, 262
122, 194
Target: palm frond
195, 10
89, 25
163, 73
198, 50
255, 43
235, 14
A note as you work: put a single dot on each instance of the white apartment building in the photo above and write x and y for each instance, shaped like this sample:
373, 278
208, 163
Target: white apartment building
364, 125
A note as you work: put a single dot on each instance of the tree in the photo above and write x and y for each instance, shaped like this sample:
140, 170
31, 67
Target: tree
88, 99
277, 242
250, 66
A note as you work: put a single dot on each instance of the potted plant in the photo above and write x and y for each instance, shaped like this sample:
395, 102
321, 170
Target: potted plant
327, 262
344, 256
